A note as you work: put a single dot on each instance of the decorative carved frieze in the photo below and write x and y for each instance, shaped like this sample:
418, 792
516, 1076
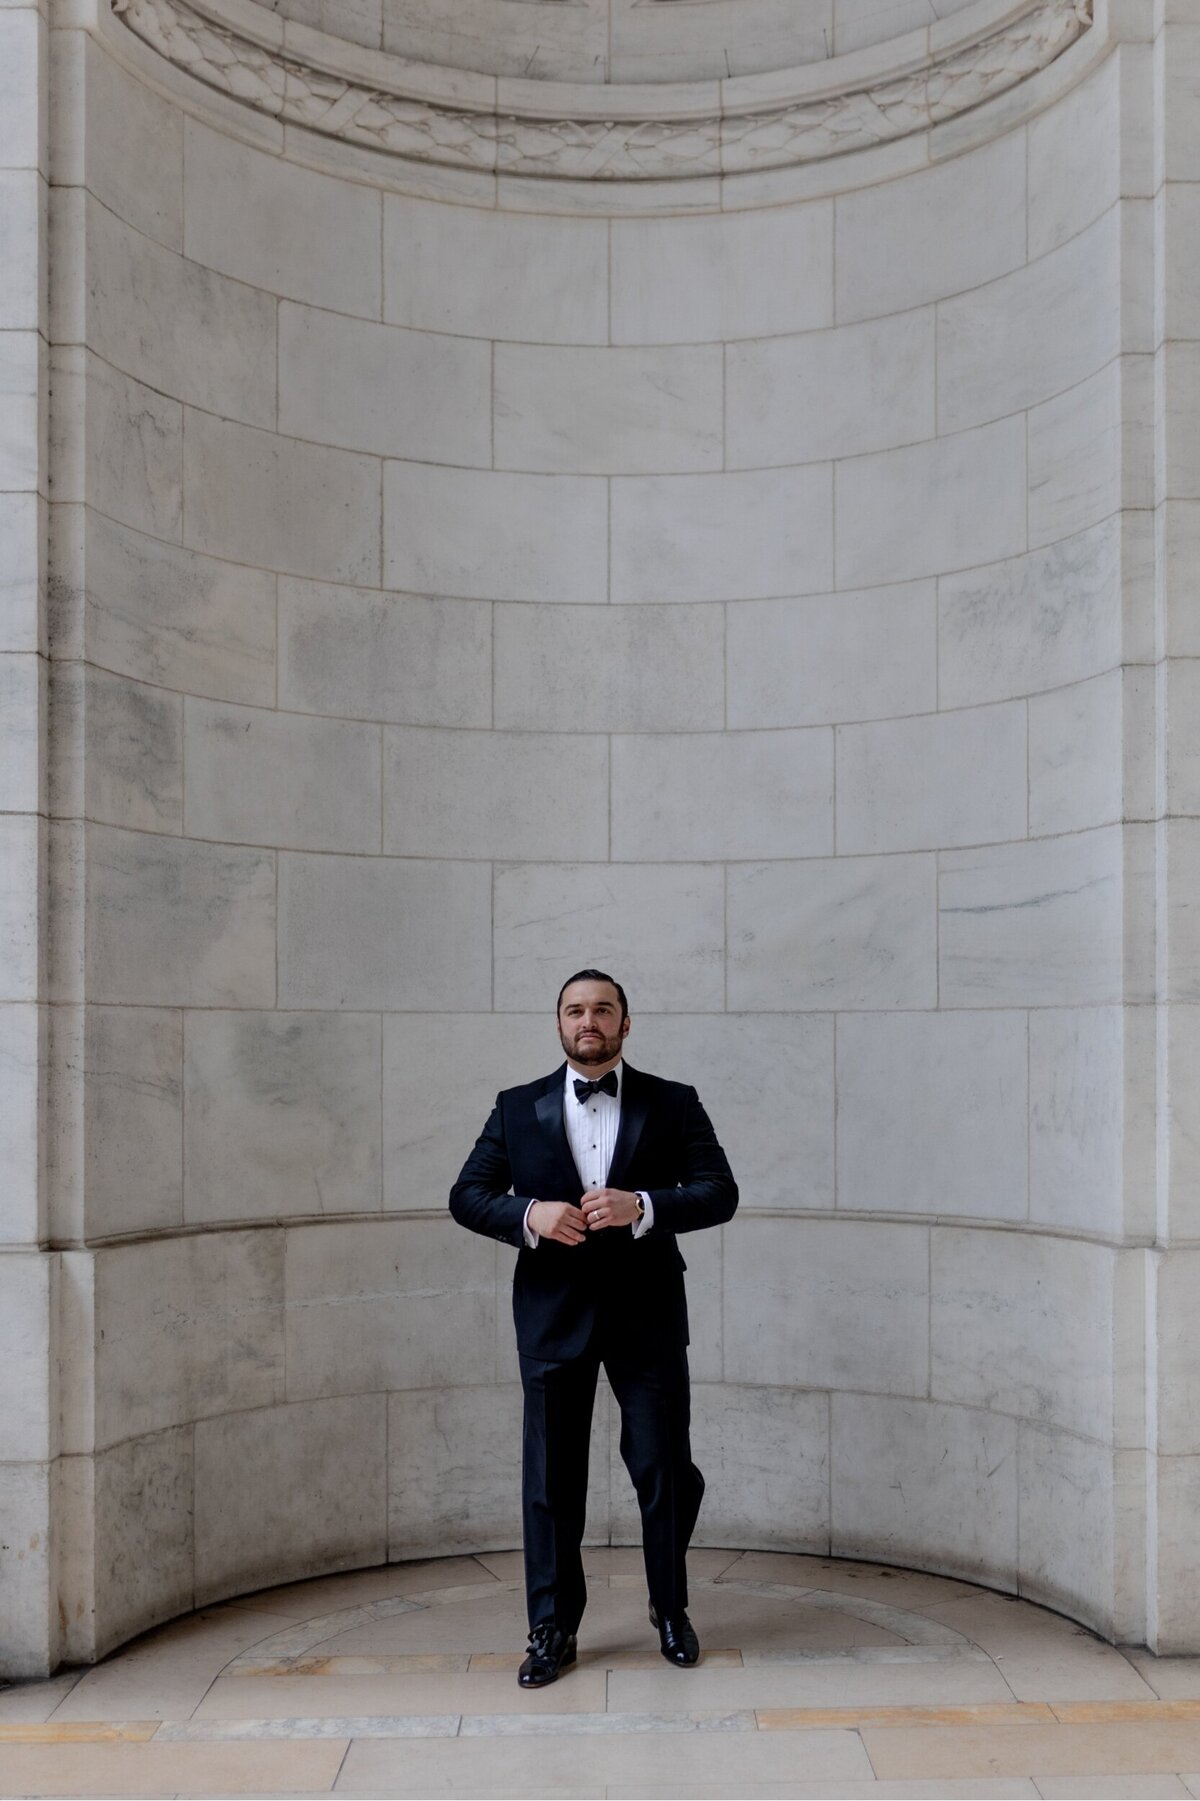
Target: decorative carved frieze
484, 137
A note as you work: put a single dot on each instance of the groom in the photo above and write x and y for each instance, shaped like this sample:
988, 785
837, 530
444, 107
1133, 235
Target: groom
591, 1173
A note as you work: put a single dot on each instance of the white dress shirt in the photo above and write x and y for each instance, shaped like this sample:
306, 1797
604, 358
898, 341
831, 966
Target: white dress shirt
591, 1128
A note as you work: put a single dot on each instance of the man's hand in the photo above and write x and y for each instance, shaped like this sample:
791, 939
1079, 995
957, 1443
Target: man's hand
609, 1207
557, 1220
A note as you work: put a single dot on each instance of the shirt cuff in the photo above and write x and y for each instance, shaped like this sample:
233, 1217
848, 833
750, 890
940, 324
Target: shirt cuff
644, 1224
531, 1238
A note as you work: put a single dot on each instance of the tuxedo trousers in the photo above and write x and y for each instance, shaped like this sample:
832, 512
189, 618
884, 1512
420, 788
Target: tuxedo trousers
653, 1393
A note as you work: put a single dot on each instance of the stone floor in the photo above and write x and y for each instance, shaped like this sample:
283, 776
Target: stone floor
819, 1678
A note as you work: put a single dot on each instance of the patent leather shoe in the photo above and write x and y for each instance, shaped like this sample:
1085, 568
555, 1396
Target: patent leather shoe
676, 1638
550, 1652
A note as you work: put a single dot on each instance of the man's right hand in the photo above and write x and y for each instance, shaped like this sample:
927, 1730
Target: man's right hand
557, 1220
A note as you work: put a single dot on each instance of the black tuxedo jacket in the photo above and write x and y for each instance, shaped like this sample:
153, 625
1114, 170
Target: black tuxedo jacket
612, 1289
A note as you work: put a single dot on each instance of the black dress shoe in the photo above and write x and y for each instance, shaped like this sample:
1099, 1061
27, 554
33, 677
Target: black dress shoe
550, 1651
677, 1639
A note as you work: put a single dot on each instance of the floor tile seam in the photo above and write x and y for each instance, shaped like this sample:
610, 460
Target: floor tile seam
1001, 1716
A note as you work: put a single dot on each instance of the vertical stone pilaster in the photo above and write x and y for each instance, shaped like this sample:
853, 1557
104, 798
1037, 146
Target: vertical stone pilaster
28, 1402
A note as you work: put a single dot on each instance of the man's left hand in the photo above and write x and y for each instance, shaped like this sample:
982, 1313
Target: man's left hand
609, 1207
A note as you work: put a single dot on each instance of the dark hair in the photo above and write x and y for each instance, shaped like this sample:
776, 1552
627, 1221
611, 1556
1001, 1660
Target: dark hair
593, 975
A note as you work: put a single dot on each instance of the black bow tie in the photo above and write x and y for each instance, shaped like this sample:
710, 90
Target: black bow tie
604, 1085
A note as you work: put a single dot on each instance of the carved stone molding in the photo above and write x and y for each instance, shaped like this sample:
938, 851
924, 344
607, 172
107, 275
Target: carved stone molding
377, 99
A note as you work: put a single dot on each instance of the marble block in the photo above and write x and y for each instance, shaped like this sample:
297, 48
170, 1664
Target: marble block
494, 794
765, 1457
747, 1067
22, 541
742, 536
827, 1304
1177, 1378
1176, 1565
22, 1057
949, 504
130, 150
283, 1115
829, 657
949, 1500
22, 875
384, 932
1035, 924
509, 275
1033, 622
132, 1080
116, 749
649, 669
732, 275
258, 217
1075, 456
132, 1508
923, 237
177, 325
23, 207
943, 779
288, 1492
23, 50
407, 658
185, 1329
1068, 1523
22, 408
826, 933
380, 388
172, 617
1179, 875
1074, 159
830, 393
454, 1471
257, 776
23, 710
117, 444
585, 411
1022, 1323
1182, 677
1012, 342
378, 1305
492, 535
28, 1295
1076, 1117
932, 1113
1182, 1033
441, 1075
257, 497
177, 922
1078, 754
722, 795
29, 1646
660, 928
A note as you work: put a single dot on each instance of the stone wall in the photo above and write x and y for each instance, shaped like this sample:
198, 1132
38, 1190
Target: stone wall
751, 589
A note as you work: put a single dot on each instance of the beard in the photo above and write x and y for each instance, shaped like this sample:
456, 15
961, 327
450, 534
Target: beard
593, 1050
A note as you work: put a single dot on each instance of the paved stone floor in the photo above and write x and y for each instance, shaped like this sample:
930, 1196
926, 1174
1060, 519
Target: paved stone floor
819, 1678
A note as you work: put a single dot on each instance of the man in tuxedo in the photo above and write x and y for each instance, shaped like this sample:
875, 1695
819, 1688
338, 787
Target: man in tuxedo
591, 1173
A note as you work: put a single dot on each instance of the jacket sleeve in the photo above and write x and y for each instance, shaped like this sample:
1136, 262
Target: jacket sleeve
480, 1199
707, 1194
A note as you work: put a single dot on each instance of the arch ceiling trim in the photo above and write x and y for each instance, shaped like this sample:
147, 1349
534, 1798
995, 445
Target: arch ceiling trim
458, 120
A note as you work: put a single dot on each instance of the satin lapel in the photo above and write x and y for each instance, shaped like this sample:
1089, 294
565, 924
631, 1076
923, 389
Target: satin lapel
549, 1110
635, 1107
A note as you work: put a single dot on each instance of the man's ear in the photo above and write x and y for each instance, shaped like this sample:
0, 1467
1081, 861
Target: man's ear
625, 1025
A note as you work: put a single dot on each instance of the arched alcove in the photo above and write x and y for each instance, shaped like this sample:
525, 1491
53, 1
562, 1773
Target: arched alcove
715, 541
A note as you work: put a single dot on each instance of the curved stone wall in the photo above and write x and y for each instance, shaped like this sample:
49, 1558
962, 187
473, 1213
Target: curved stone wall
750, 600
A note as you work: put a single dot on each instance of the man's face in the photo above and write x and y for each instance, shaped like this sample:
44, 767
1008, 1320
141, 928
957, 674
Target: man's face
590, 1027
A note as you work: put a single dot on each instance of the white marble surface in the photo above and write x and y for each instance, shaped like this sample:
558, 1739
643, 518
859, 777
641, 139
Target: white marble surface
282, 1115
950, 1499
365, 932
932, 1113
344, 839
490, 275
722, 795
832, 933
359, 654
